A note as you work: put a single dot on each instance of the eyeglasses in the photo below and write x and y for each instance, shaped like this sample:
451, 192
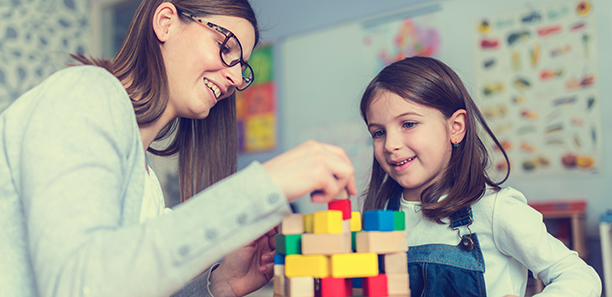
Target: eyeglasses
230, 51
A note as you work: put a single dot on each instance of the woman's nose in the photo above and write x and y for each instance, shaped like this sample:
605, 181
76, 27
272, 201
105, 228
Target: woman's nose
234, 75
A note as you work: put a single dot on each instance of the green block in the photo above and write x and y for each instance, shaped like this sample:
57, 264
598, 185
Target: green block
290, 244
399, 221
353, 241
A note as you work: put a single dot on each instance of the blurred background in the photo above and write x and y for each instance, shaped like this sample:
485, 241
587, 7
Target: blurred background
539, 70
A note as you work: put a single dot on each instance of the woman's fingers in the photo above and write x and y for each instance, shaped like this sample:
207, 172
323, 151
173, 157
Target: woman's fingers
311, 167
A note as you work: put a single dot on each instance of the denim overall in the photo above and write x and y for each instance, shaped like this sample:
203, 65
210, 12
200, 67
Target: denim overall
440, 270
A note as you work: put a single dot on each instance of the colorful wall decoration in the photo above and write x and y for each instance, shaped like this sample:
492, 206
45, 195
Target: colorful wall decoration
256, 106
537, 88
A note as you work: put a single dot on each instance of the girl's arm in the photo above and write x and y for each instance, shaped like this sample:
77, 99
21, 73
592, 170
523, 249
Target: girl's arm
520, 233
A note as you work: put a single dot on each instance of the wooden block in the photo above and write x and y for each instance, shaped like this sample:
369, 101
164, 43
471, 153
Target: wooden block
342, 205
348, 239
307, 265
355, 221
348, 287
300, 287
399, 221
325, 244
378, 220
381, 242
279, 269
375, 286
398, 284
326, 222
279, 259
308, 223
289, 244
346, 226
342, 195
357, 292
395, 263
280, 284
293, 224
333, 287
354, 265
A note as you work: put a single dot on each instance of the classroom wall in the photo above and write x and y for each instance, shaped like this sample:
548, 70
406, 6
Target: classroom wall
283, 20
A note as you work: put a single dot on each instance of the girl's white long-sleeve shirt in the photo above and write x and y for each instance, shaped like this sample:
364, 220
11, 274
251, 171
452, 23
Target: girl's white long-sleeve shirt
513, 240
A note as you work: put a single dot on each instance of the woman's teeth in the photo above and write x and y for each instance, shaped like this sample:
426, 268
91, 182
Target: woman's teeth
213, 88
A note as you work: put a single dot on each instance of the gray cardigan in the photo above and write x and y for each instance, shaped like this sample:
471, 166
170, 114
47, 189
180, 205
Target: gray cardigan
72, 172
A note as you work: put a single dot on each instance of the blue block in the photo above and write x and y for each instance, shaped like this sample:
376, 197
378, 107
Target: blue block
279, 259
381, 263
378, 220
357, 283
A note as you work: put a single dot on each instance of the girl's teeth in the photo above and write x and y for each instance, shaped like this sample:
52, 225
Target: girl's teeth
404, 162
213, 88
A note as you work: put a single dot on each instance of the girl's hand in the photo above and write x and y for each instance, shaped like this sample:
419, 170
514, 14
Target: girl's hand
313, 167
246, 269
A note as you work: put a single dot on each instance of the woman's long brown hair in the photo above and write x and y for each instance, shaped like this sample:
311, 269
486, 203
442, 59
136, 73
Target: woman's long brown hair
429, 82
207, 148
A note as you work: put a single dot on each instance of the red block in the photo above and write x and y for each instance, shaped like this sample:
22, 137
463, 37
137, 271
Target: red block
343, 205
333, 287
375, 286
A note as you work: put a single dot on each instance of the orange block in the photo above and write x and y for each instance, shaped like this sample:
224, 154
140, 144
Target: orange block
395, 263
300, 287
381, 242
293, 224
325, 244
398, 284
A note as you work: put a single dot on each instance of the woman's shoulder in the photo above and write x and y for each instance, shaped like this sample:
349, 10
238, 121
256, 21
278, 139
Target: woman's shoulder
85, 88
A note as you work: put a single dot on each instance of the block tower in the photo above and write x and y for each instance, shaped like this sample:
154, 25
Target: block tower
329, 254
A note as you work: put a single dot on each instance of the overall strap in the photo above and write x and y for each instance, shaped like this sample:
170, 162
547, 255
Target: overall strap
462, 217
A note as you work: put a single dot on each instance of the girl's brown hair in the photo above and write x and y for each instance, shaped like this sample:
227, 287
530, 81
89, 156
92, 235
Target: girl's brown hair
429, 82
207, 148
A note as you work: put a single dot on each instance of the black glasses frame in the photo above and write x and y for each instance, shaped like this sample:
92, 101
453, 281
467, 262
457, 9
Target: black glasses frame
248, 80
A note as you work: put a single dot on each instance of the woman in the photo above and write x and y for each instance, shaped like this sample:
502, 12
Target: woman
74, 181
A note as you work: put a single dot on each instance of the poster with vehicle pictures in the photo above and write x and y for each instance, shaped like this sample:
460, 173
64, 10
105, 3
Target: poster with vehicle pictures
536, 76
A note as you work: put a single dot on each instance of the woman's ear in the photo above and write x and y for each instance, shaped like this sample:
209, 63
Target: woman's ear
163, 19
458, 122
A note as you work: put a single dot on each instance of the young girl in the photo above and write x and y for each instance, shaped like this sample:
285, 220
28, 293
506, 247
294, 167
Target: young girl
75, 190
467, 235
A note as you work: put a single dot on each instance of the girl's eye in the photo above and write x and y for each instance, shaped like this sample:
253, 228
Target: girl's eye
378, 133
409, 125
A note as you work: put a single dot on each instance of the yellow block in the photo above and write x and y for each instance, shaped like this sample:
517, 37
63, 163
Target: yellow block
353, 265
329, 221
355, 221
307, 265
308, 223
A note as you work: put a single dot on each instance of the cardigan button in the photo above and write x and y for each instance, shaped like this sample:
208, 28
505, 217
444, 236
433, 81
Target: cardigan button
273, 198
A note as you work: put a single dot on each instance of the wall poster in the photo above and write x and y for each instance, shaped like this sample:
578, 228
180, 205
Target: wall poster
256, 106
537, 88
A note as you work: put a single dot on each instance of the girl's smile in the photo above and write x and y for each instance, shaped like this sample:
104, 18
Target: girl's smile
411, 141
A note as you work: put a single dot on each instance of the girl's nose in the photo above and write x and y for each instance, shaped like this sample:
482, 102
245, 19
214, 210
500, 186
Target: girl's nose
392, 141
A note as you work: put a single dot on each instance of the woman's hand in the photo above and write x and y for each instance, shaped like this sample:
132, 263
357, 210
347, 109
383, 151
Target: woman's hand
313, 167
246, 269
